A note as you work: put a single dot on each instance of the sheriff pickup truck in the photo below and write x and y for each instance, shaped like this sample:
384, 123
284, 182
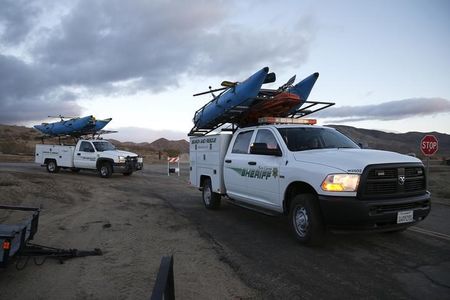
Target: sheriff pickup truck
98, 155
315, 175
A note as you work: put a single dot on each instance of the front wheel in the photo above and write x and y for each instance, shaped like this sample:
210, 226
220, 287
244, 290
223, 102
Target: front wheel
305, 219
211, 200
52, 167
105, 170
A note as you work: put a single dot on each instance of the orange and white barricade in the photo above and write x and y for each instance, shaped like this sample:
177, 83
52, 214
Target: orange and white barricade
173, 160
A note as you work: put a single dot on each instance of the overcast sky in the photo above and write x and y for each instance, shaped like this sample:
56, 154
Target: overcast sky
385, 64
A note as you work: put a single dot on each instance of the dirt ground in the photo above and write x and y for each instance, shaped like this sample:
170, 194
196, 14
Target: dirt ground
133, 228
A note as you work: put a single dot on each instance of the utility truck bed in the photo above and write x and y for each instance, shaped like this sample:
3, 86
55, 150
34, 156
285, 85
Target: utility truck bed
207, 155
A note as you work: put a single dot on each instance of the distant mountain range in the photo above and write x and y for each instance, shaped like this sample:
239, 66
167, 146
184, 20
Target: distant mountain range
398, 142
20, 139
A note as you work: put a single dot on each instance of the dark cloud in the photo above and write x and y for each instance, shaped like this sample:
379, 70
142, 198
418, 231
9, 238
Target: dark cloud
36, 109
27, 93
108, 46
16, 20
393, 110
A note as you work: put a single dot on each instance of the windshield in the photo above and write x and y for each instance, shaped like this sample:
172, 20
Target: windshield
103, 146
304, 138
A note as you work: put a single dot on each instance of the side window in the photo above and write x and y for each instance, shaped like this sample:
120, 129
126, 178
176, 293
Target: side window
86, 147
242, 142
266, 136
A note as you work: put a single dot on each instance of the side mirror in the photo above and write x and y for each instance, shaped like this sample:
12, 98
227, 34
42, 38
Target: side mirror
360, 145
261, 149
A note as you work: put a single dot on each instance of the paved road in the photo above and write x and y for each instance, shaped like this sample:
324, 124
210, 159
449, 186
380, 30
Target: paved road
414, 264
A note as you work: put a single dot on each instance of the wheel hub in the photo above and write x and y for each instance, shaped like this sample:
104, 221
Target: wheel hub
103, 171
301, 221
207, 196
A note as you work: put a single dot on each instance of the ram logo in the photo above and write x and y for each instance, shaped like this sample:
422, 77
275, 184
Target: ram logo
401, 179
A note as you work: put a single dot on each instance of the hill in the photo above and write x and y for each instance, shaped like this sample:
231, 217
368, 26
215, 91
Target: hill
399, 142
162, 144
21, 140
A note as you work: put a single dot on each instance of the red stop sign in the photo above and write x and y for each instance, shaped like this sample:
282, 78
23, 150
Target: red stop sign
429, 145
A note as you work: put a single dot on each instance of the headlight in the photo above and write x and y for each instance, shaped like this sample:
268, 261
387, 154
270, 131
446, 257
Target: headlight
341, 183
121, 159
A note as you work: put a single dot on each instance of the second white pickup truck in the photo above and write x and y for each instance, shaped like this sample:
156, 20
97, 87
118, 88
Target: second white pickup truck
98, 155
315, 175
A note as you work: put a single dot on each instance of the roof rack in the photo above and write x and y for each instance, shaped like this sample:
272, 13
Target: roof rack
280, 120
311, 107
308, 108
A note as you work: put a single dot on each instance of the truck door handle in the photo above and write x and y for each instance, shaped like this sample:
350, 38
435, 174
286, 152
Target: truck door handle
252, 163
228, 161
78, 154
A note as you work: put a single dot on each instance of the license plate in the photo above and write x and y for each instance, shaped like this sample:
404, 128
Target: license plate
405, 216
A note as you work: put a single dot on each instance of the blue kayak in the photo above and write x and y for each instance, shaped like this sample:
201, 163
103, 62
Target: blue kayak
72, 126
100, 124
243, 94
303, 89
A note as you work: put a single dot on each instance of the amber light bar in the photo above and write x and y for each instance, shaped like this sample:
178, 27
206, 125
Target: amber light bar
278, 120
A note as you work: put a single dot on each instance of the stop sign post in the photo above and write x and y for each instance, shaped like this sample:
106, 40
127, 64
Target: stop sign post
429, 146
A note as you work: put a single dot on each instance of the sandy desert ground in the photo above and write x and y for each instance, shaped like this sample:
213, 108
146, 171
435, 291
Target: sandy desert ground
230, 254
134, 229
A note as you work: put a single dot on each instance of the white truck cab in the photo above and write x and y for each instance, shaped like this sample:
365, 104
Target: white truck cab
98, 155
317, 176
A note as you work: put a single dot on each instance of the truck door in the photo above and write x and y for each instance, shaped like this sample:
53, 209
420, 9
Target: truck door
236, 166
264, 180
85, 156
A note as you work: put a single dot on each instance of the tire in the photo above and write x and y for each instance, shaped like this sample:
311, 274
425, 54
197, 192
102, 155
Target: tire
105, 170
52, 167
75, 170
305, 219
127, 173
210, 199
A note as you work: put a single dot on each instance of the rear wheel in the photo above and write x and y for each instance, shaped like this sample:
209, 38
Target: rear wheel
305, 219
52, 167
211, 200
105, 170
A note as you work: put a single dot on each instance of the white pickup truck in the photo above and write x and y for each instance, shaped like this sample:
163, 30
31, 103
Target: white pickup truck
315, 175
98, 155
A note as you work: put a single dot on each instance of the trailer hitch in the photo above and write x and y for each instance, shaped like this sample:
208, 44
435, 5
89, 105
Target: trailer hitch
35, 250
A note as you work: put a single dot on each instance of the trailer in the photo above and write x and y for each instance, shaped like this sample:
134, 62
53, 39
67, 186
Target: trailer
14, 237
18, 225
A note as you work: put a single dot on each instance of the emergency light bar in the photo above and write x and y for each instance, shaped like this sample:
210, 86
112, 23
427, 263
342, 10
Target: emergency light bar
277, 120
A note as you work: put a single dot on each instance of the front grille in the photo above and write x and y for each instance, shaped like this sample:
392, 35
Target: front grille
379, 188
392, 181
382, 173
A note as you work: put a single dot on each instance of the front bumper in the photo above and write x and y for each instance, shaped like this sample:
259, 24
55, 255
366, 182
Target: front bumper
130, 165
351, 213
